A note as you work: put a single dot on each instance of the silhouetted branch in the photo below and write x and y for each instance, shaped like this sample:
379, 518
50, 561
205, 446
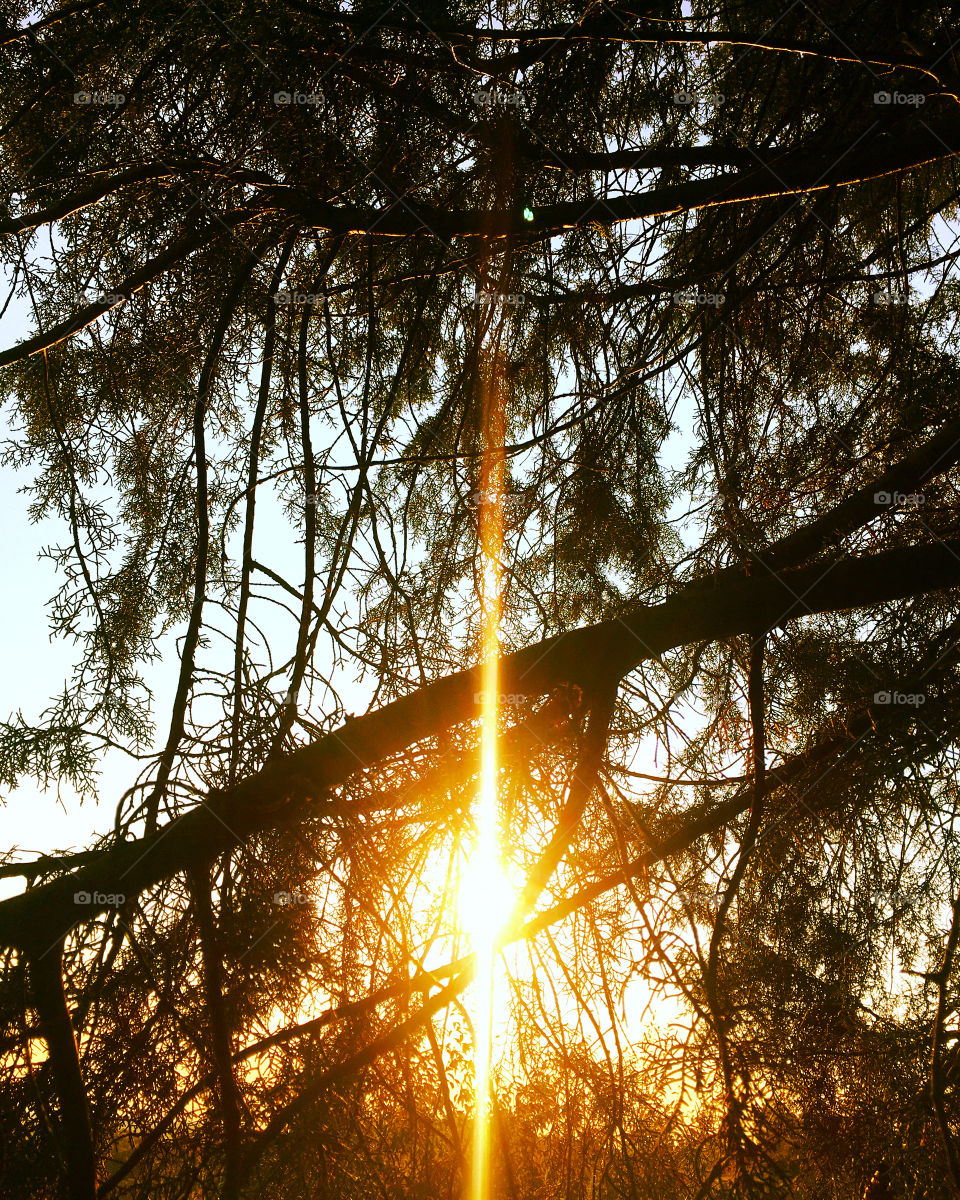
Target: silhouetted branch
227, 1090
192, 636
51, 1003
152, 269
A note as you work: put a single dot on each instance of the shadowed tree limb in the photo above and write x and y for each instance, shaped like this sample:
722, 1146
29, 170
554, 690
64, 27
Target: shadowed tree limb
582, 783
145, 172
150, 270
717, 1007
793, 173
246, 560
61, 14
394, 1038
298, 786
192, 637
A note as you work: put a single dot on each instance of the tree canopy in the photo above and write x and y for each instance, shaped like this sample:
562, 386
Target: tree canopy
665, 292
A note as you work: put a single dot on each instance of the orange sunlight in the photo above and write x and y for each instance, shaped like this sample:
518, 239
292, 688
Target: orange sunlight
485, 897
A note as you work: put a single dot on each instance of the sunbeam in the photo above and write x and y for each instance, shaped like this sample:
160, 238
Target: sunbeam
485, 895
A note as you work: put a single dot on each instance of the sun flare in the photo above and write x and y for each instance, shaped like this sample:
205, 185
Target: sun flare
486, 898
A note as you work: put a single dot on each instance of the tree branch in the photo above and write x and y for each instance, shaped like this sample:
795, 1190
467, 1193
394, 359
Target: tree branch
227, 1090
46, 974
192, 637
793, 173
124, 290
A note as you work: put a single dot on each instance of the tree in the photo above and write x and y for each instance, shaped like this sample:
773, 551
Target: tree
315, 292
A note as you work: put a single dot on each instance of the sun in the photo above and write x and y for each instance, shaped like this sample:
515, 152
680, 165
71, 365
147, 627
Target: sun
485, 900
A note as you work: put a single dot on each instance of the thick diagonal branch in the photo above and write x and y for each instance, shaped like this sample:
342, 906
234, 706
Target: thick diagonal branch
793, 173
299, 786
152, 269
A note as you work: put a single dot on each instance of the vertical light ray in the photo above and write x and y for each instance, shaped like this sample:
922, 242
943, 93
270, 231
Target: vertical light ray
485, 866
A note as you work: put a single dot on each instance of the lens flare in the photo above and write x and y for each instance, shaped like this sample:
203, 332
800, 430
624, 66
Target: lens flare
486, 890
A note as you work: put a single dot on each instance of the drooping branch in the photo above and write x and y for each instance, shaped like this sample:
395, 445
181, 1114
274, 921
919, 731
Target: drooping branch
308, 610
253, 467
582, 783
151, 270
228, 1092
717, 1005
319, 1085
192, 637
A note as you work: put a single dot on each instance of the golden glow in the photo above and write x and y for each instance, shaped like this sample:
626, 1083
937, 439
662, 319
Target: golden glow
485, 897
